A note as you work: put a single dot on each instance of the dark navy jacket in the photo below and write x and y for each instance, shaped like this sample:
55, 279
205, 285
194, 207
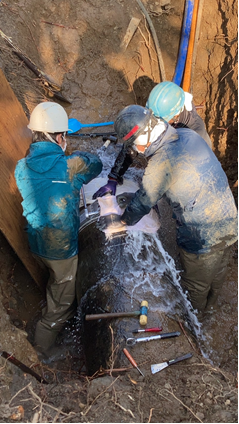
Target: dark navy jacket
50, 184
183, 167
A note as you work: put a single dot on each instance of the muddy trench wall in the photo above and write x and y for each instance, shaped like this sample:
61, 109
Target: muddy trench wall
216, 78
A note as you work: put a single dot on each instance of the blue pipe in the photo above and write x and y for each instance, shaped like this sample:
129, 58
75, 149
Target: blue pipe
188, 13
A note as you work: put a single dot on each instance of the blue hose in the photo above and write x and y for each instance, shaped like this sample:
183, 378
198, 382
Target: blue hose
188, 13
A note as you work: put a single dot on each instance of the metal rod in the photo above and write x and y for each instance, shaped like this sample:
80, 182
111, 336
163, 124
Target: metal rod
23, 367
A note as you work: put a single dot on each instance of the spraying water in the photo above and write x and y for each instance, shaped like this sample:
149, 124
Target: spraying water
151, 271
148, 264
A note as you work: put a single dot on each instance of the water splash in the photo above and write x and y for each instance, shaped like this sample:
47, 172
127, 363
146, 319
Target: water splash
108, 159
154, 275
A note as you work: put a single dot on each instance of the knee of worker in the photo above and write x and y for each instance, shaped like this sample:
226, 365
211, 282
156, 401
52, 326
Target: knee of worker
195, 286
196, 293
60, 298
62, 271
212, 298
45, 335
198, 301
56, 314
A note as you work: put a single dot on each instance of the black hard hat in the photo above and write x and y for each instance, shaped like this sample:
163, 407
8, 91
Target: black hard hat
131, 122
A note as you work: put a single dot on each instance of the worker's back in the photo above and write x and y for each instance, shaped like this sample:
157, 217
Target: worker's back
183, 167
50, 183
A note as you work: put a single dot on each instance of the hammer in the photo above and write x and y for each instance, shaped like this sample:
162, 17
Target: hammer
142, 313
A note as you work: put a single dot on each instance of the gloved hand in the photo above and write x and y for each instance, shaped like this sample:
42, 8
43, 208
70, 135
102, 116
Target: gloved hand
112, 221
109, 188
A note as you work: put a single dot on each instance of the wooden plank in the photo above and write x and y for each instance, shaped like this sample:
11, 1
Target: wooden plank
15, 139
133, 25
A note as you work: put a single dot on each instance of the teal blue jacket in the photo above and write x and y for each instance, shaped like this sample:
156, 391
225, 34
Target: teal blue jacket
184, 169
50, 183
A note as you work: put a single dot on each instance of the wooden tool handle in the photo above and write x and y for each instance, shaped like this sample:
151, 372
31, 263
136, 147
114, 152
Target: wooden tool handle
131, 360
111, 315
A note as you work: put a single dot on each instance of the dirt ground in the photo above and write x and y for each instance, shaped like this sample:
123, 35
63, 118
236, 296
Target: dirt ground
77, 44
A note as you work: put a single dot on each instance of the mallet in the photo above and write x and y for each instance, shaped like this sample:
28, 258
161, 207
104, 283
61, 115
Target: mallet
142, 313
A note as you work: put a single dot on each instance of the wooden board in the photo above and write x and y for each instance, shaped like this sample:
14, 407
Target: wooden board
15, 139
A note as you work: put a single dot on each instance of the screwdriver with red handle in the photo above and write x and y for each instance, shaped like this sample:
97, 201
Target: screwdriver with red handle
148, 330
132, 361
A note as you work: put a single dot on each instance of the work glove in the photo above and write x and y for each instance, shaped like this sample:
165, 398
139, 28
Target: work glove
109, 188
112, 221
124, 199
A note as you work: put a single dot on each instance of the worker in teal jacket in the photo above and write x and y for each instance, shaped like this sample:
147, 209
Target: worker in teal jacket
183, 168
50, 183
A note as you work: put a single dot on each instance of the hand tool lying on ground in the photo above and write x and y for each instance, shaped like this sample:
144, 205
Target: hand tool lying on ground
142, 313
75, 125
159, 367
132, 341
148, 330
132, 361
22, 366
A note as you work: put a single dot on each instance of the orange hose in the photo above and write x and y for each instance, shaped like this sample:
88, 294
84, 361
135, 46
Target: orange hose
188, 65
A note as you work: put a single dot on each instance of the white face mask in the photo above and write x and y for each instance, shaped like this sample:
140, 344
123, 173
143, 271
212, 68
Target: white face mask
64, 147
53, 141
143, 139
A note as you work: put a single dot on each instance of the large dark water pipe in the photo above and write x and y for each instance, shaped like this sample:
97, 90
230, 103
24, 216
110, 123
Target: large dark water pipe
99, 290
186, 28
108, 272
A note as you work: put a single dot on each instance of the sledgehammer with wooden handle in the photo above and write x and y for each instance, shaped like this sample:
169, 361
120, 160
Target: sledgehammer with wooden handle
142, 313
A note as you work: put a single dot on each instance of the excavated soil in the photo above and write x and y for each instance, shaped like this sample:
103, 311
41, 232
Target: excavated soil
77, 44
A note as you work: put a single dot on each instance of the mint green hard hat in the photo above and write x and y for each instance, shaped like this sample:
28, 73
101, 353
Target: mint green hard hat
166, 100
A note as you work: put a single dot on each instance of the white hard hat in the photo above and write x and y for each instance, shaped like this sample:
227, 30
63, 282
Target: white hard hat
48, 117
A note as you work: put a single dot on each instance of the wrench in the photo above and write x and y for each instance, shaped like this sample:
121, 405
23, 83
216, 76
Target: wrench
132, 341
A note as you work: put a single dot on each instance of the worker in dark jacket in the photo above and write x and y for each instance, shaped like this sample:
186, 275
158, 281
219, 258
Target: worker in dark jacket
183, 168
167, 101
50, 183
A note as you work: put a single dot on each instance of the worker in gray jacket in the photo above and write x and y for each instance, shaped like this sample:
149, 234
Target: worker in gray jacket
183, 168
167, 101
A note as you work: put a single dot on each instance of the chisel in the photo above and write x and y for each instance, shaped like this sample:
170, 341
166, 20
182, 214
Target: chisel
132, 361
132, 341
